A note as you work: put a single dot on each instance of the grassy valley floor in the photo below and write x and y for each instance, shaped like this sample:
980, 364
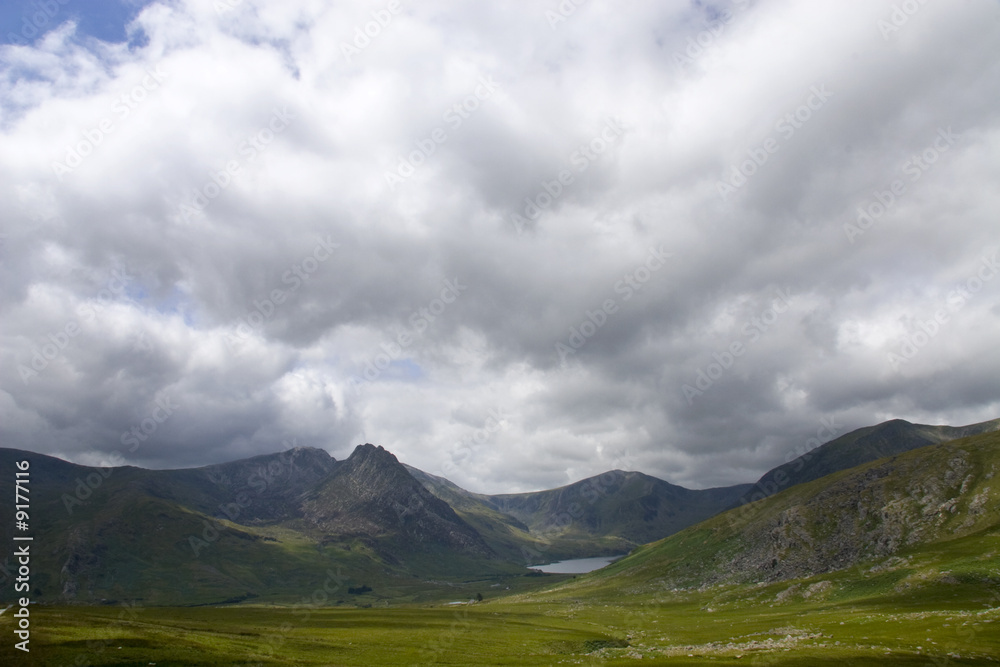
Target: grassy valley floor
939, 624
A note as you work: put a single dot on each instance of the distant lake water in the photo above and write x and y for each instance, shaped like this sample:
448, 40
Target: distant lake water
577, 565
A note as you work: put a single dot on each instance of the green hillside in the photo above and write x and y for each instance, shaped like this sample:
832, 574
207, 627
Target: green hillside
506, 535
267, 529
895, 562
608, 514
194, 537
930, 515
860, 446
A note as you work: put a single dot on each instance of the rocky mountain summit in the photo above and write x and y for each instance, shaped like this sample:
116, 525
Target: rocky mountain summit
270, 526
372, 495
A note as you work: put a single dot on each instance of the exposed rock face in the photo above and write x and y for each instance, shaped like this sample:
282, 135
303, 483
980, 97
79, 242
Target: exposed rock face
871, 514
296, 467
371, 494
271, 486
212, 533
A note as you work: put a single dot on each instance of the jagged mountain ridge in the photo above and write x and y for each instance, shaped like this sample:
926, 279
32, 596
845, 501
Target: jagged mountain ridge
372, 495
269, 525
275, 522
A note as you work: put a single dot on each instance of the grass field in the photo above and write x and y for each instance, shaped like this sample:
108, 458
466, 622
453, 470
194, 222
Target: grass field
863, 624
935, 602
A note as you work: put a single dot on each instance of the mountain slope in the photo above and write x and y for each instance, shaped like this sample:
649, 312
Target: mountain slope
257, 490
607, 514
614, 512
272, 527
109, 534
860, 446
939, 505
372, 495
506, 535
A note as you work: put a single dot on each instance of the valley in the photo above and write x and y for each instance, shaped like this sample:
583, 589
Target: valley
894, 561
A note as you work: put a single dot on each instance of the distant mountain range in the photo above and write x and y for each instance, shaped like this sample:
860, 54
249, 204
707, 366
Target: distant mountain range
604, 515
281, 527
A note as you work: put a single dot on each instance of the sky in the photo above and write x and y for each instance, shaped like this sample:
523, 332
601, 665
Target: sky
516, 244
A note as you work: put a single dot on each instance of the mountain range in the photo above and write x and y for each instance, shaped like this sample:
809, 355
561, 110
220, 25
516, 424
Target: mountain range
279, 527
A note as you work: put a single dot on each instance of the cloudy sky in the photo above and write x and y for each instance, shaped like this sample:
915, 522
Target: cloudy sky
516, 244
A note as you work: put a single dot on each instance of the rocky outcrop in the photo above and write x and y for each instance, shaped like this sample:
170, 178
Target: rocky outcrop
371, 494
862, 516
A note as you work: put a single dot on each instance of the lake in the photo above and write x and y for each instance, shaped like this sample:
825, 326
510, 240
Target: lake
577, 565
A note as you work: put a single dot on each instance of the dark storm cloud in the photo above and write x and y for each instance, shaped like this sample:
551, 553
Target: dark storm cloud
633, 233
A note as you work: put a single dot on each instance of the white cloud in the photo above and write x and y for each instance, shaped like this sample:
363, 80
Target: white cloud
221, 78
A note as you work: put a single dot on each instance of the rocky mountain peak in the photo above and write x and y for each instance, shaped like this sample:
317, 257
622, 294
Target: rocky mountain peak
371, 493
370, 451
